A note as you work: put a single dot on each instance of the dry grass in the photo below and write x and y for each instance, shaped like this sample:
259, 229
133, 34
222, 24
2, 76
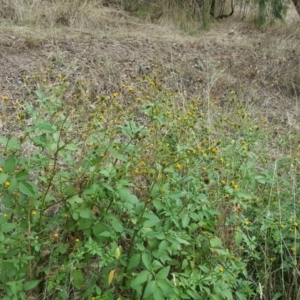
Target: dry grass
83, 39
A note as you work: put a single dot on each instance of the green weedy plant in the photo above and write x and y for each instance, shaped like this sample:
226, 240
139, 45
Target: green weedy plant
140, 201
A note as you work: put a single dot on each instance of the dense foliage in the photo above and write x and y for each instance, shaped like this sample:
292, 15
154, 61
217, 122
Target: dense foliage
144, 194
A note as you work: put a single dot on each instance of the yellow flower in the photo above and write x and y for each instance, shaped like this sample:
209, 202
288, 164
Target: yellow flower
55, 235
6, 183
295, 224
115, 94
178, 166
76, 240
101, 117
152, 83
235, 186
139, 99
123, 85
221, 159
246, 222
130, 89
5, 97
1, 169
33, 212
221, 269
223, 182
281, 225
90, 144
4, 215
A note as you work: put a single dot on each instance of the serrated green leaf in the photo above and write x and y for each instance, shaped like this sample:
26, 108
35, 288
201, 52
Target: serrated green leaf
140, 278
158, 294
185, 221
27, 188
238, 237
77, 279
3, 178
22, 175
85, 223
182, 241
215, 242
85, 212
163, 273
204, 269
13, 144
30, 285
150, 288
10, 164
146, 258
74, 200
134, 261
126, 196
8, 227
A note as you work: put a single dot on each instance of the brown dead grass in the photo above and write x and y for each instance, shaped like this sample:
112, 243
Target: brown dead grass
82, 39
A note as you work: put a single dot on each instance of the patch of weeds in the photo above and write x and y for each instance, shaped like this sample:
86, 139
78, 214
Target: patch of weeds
143, 195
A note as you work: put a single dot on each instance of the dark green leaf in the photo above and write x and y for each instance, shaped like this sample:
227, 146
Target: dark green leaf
163, 273
8, 227
146, 258
185, 220
10, 164
27, 188
77, 279
150, 288
85, 212
30, 285
3, 178
134, 261
139, 279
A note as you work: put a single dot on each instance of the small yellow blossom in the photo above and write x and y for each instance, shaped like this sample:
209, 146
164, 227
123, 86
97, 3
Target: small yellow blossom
223, 182
130, 89
281, 225
178, 166
1, 170
214, 150
6, 183
152, 83
101, 117
221, 159
139, 99
90, 144
4, 215
250, 128
123, 85
76, 240
5, 97
221, 269
235, 186
55, 235
136, 171
246, 222
33, 212
295, 224
115, 94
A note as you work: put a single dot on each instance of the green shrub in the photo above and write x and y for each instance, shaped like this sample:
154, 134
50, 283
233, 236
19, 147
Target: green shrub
143, 195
